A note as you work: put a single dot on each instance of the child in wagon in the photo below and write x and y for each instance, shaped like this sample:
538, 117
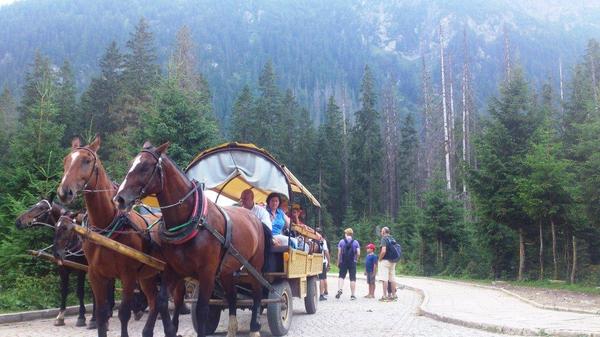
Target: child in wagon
371, 269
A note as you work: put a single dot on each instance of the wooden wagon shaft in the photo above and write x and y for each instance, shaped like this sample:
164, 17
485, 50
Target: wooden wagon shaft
239, 303
120, 248
51, 258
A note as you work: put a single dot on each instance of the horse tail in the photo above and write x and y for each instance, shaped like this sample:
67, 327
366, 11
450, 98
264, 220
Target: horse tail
268, 235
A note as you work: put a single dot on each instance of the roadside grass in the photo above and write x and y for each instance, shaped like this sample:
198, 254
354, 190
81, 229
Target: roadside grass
542, 284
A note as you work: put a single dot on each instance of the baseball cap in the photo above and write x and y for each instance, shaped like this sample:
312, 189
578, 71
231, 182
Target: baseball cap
371, 246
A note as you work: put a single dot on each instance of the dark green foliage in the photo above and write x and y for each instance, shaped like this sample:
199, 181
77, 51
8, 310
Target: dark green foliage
174, 117
100, 102
30, 169
366, 151
407, 158
243, 120
66, 102
329, 153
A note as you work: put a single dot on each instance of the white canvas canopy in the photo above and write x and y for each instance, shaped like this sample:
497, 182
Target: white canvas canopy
231, 168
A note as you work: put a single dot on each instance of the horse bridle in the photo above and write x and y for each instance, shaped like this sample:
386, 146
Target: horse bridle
94, 170
47, 212
158, 168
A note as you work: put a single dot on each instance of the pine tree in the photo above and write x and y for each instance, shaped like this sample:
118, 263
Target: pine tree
366, 144
330, 148
66, 103
243, 121
268, 108
101, 103
500, 153
443, 216
407, 157
32, 165
140, 74
174, 117
8, 118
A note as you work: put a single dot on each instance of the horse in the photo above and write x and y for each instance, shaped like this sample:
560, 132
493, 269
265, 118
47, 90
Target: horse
83, 172
193, 250
45, 213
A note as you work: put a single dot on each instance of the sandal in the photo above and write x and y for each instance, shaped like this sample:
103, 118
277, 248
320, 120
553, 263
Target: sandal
339, 293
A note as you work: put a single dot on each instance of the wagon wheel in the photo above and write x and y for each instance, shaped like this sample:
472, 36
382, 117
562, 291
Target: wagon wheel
312, 295
280, 314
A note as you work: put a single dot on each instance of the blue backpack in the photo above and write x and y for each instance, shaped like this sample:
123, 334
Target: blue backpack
393, 250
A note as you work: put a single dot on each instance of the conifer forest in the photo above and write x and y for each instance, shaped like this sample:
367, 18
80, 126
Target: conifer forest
487, 173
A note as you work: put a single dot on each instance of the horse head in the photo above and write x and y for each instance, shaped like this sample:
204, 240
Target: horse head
145, 176
63, 236
40, 213
80, 168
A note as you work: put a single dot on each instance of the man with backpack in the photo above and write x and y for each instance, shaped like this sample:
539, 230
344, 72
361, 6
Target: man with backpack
348, 254
389, 255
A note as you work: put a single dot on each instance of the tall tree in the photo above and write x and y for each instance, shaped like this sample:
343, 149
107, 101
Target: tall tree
101, 103
446, 119
8, 118
268, 107
174, 117
390, 150
501, 152
243, 121
366, 154
66, 102
330, 170
407, 157
140, 74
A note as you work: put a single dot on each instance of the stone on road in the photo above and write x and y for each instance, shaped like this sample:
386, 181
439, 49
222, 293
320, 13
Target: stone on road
492, 308
343, 317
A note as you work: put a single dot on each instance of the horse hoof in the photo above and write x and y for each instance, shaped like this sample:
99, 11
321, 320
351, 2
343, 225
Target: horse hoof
59, 322
254, 334
138, 315
80, 321
92, 325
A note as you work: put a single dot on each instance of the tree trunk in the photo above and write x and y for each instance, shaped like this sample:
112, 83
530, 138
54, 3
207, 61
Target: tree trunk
445, 113
521, 254
567, 256
574, 267
555, 262
541, 252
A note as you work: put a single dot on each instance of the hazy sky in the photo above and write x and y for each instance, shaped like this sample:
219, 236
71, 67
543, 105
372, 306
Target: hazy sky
6, 2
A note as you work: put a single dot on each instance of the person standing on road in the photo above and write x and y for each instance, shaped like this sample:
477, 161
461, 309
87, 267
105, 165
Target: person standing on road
323, 275
348, 254
371, 269
387, 268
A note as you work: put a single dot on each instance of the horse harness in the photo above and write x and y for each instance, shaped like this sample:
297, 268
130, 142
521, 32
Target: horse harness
188, 230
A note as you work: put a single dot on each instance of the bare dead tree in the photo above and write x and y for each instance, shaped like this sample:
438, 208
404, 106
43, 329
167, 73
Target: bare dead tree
507, 61
445, 114
390, 144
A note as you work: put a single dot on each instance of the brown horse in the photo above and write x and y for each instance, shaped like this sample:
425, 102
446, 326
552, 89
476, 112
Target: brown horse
83, 172
45, 213
199, 254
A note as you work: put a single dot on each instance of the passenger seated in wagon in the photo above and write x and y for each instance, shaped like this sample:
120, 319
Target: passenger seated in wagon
280, 221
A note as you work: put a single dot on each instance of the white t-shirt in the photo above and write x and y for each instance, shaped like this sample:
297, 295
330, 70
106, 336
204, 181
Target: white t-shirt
263, 215
325, 249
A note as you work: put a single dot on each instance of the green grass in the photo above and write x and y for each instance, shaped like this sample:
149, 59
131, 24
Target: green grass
542, 284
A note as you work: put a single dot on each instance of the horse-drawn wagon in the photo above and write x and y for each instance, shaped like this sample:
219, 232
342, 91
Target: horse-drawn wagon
222, 247
230, 169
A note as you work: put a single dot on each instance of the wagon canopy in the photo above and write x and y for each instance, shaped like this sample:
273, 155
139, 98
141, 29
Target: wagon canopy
230, 168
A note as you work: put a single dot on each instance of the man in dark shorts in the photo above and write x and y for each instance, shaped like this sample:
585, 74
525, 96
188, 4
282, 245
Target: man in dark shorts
348, 254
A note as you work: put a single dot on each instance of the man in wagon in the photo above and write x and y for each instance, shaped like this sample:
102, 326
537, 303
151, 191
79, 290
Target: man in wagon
247, 200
